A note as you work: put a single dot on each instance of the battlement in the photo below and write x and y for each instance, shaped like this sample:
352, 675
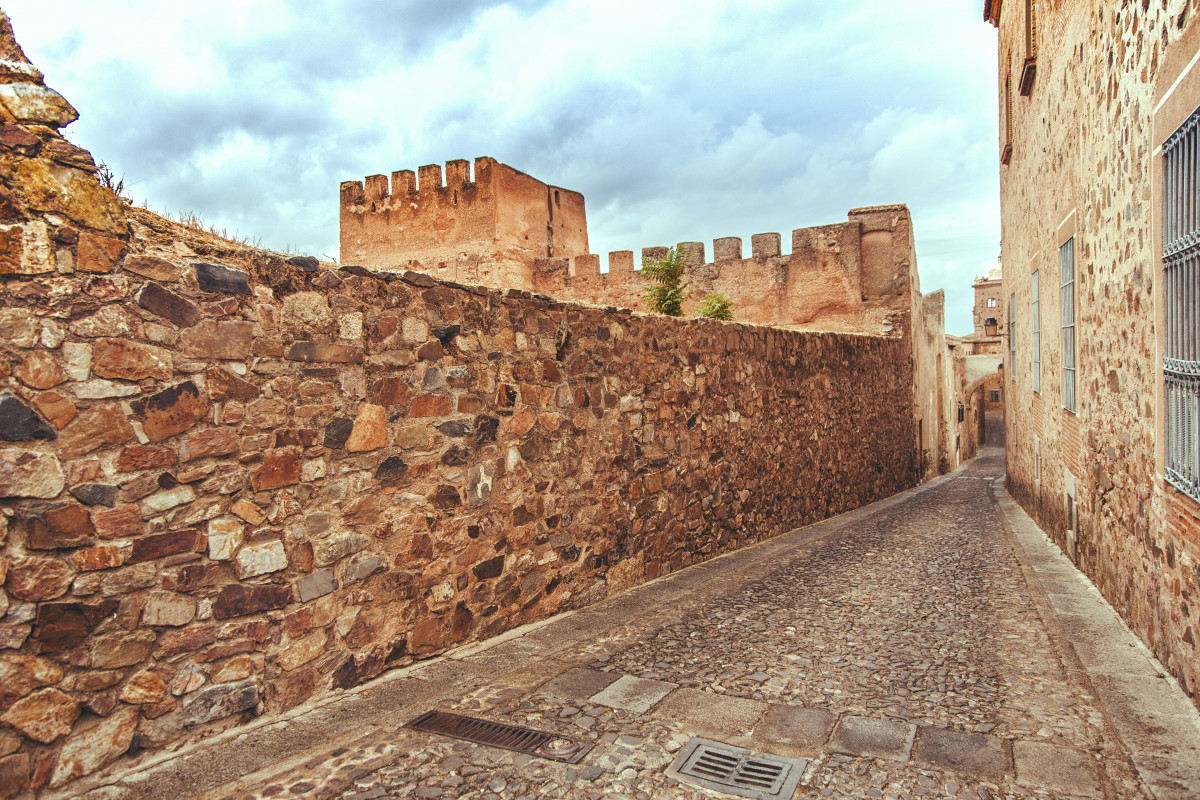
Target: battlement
407, 185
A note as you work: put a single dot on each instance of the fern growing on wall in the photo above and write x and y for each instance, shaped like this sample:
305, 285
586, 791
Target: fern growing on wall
717, 306
669, 292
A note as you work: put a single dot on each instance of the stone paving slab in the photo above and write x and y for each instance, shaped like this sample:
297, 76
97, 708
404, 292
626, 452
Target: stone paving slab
1062, 769
873, 738
576, 685
730, 719
806, 729
970, 754
633, 694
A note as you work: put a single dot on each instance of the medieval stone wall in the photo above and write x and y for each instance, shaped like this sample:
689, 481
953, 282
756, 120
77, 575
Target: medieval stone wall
1109, 82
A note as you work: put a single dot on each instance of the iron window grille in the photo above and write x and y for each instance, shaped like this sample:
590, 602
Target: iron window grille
1066, 256
1036, 332
1181, 305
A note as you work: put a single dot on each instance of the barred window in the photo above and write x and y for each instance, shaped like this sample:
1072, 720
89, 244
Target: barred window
1181, 305
1036, 331
1066, 255
1012, 336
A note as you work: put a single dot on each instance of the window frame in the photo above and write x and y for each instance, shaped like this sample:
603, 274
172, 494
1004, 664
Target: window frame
1066, 257
1012, 336
1181, 296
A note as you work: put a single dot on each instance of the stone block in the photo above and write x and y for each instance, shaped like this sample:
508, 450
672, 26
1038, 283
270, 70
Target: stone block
164, 303
101, 556
37, 578
98, 253
137, 457
318, 584
970, 754
215, 278
160, 502
873, 738
43, 716
224, 385
25, 250
26, 473
479, 484
99, 389
638, 695
219, 701
19, 422
303, 650
1060, 769
122, 649
236, 600
281, 467
171, 411
120, 522
225, 536
370, 429
160, 545
151, 267
212, 442
430, 405
60, 626
338, 547
391, 470
167, 609
224, 339
361, 567
144, 687
95, 494
55, 407
130, 361
17, 327
261, 559
96, 427
39, 370
337, 432
713, 715
94, 746
20, 675
14, 775
110, 320
32, 102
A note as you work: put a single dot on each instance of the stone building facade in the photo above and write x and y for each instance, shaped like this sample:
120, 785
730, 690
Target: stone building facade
231, 482
1098, 101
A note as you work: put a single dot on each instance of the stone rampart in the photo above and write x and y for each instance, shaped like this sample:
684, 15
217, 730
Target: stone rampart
231, 485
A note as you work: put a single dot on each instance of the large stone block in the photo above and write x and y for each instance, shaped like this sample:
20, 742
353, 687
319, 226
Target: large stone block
130, 361
27, 473
222, 700
238, 599
281, 467
37, 578
370, 429
224, 339
98, 253
43, 716
261, 559
171, 411
94, 746
19, 422
94, 428
20, 675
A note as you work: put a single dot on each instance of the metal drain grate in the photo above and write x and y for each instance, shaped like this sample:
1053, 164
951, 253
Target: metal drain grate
497, 734
724, 768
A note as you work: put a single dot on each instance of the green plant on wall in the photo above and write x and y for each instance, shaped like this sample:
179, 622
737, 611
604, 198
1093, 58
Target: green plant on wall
717, 306
668, 293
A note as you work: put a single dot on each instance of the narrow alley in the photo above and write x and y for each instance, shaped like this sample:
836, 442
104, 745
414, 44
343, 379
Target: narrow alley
931, 645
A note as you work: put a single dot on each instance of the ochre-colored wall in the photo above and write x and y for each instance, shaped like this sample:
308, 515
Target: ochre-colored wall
1104, 96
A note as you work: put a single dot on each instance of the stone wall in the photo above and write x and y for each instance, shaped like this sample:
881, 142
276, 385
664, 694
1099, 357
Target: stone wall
1109, 83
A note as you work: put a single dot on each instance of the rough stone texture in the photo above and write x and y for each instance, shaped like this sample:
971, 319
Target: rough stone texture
220, 701
25, 473
90, 748
1107, 88
43, 716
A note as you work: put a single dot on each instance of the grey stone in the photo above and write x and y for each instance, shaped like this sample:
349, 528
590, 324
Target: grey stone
708, 714
360, 567
304, 263
1061, 769
633, 694
874, 738
318, 584
804, 728
965, 753
220, 701
20, 423
214, 278
95, 494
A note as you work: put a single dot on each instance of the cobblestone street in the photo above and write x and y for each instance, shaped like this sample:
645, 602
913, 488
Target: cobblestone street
931, 645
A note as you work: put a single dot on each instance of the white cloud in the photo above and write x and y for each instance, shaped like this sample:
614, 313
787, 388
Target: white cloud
678, 120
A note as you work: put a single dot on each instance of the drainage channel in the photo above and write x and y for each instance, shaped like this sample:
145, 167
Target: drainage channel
729, 769
509, 737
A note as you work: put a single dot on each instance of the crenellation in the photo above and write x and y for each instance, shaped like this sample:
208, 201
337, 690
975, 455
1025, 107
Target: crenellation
694, 252
375, 189
429, 178
404, 183
587, 266
728, 248
352, 193
458, 173
620, 262
765, 245
653, 253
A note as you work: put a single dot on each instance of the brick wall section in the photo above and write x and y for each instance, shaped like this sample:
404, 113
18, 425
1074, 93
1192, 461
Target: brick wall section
1083, 164
237, 485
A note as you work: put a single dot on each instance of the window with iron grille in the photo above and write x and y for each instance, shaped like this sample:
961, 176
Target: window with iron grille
1006, 151
1012, 337
1066, 256
1181, 304
1035, 327
1029, 69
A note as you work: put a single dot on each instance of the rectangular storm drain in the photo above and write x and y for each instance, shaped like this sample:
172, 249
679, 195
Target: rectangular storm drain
724, 768
497, 734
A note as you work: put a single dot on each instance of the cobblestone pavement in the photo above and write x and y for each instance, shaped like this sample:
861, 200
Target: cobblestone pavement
902, 651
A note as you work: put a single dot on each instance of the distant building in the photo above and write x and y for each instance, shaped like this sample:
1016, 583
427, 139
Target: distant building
1098, 136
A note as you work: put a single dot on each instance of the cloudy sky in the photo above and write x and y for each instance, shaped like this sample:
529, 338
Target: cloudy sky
679, 120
